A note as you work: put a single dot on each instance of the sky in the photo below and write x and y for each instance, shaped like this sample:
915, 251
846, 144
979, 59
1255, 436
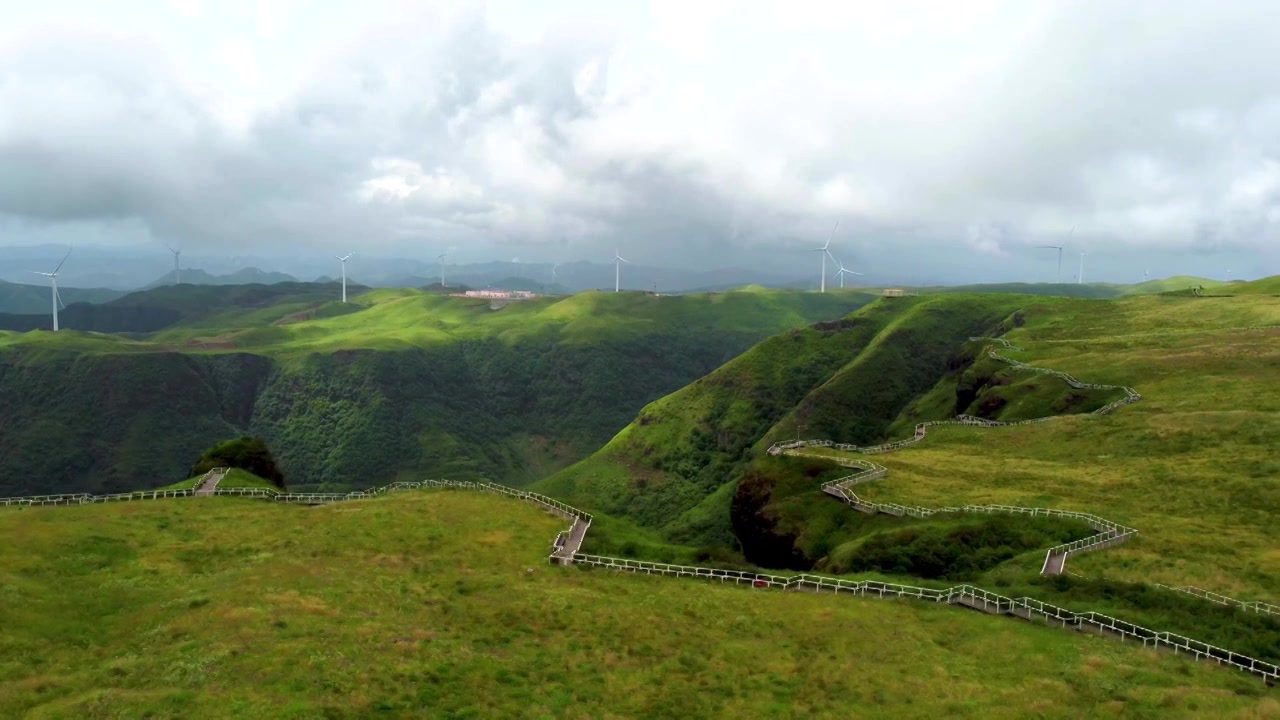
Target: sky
920, 137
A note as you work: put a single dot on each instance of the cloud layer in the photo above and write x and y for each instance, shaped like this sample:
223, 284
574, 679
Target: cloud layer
677, 130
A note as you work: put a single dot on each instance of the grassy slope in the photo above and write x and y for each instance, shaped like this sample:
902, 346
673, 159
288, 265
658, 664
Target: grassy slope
1173, 284
420, 603
399, 383
1192, 465
674, 468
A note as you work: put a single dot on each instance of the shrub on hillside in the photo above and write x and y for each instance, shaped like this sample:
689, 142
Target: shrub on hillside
246, 453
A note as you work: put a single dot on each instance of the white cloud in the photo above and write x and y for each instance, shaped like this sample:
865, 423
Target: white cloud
987, 126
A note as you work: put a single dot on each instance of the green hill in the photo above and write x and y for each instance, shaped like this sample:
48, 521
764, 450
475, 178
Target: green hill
676, 466
420, 605
396, 384
1085, 290
1264, 286
1173, 284
1190, 465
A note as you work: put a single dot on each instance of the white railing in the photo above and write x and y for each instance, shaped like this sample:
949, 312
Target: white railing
967, 595
564, 548
89, 499
1108, 533
564, 551
1256, 606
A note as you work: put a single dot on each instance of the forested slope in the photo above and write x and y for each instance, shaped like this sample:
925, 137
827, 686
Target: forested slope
400, 384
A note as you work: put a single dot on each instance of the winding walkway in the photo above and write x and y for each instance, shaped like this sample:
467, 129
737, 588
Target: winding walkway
1107, 532
565, 548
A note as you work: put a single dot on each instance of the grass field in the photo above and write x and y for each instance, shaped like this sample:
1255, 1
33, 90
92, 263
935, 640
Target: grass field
420, 604
1192, 466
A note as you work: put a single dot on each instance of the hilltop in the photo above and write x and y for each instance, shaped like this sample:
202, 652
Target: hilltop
393, 384
424, 603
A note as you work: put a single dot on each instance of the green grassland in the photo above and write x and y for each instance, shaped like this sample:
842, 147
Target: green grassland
1192, 465
420, 604
677, 468
1176, 283
395, 385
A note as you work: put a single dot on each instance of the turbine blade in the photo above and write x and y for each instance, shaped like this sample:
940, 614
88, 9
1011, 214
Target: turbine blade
64, 259
59, 296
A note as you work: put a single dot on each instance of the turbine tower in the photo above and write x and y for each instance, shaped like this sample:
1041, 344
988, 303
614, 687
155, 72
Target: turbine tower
617, 270
344, 260
177, 271
53, 284
441, 258
1080, 277
1059, 249
822, 287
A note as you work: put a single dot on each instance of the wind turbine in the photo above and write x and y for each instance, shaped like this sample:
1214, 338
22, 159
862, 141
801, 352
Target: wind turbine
1059, 249
825, 252
1145, 276
617, 270
554, 267
344, 260
441, 258
177, 271
1080, 277
842, 272
53, 284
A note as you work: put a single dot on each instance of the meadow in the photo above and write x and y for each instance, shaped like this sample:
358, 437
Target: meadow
1192, 466
423, 603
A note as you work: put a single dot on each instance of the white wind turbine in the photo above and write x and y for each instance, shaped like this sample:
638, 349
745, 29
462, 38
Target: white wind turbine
177, 271
441, 257
617, 270
344, 260
1080, 277
53, 284
842, 271
554, 267
825, 252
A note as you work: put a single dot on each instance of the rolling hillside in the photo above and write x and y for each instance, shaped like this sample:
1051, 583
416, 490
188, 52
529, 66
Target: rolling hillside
396, 384
437, 603
675, 468
1189, 465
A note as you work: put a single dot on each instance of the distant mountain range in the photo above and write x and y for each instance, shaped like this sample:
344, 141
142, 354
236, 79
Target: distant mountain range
22, 299
247, 276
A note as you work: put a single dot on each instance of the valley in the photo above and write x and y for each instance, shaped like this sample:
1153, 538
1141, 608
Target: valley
390, 386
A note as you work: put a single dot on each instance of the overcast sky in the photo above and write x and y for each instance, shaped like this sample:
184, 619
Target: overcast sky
940, 135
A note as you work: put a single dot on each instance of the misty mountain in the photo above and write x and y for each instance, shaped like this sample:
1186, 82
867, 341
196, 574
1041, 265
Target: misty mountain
246, 276
22, 298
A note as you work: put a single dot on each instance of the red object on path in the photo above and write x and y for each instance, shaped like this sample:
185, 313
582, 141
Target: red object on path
761, 583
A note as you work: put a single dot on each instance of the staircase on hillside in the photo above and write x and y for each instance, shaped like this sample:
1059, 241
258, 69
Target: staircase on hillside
210, 481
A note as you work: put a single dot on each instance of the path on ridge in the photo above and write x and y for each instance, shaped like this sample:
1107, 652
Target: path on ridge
210, 482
